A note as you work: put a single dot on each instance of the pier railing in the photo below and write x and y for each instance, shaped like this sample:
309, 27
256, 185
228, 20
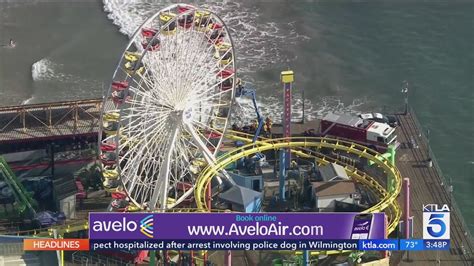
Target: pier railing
446, 185
47, 120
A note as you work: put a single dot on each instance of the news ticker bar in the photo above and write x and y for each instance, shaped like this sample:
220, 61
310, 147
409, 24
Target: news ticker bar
153, 244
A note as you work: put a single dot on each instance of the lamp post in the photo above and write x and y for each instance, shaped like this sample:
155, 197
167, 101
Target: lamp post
302, 104
451, 190
405, 92
406, 218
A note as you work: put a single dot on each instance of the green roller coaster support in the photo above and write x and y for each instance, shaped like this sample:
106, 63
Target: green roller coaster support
391, 184
23, 197
152, 258
392, 151
389, 155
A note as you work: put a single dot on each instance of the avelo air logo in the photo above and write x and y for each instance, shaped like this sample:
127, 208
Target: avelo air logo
436, 223
146, 226
362, 227
124, 225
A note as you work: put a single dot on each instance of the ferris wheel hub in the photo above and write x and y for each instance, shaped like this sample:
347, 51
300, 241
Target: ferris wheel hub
176, 116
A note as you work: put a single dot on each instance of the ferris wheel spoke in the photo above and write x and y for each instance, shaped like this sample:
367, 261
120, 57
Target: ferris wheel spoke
138, 159
212, 110
139, 83
200, 55
150, 94
135, 120
138, 131
196, 73
135, 145
158, 91
138, 148
129, 173
158, 112
136, 155
140, 178
213, 96
210, 88
146, 76
210, 72
204, 126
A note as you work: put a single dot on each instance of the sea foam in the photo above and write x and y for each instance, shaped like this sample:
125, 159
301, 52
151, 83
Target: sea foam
258, 46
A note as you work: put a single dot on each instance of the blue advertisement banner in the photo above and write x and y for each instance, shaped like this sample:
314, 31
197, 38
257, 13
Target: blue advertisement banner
238, 226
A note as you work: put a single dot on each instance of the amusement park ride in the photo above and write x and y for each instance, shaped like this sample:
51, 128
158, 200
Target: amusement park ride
171, 112
247, 90
23, 202
165, 118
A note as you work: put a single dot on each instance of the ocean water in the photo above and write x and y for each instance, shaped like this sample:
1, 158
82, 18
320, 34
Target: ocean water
346, 57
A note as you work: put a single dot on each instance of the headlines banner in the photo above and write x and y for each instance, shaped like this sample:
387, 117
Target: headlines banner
115, 244
241, 226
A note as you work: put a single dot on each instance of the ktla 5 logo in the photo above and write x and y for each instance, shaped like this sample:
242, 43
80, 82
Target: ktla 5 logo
436, 224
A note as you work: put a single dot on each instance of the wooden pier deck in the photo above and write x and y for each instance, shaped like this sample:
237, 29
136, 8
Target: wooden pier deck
428, 185
34, 122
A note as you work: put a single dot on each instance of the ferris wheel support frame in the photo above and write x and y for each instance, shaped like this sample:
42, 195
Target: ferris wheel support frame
161, 186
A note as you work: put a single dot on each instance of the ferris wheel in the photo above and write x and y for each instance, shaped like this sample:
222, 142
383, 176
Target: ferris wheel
168, 106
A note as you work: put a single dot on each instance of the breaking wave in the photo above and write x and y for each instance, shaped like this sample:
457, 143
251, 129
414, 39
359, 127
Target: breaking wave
258, 45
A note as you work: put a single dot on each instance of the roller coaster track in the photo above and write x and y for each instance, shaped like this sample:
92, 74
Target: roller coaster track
357, 174
301, 146
306, 142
